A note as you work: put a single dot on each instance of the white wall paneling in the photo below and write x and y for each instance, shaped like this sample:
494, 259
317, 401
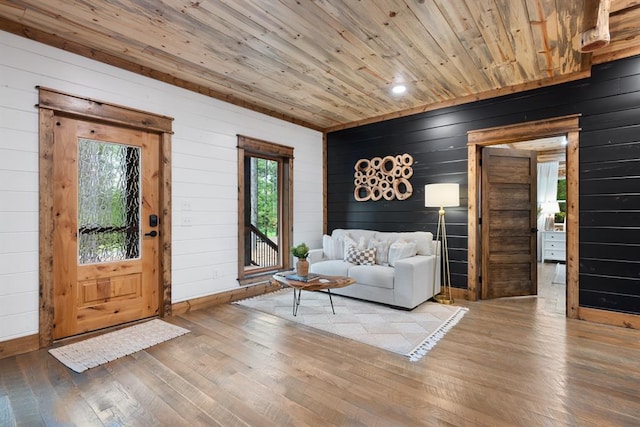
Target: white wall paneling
204, 172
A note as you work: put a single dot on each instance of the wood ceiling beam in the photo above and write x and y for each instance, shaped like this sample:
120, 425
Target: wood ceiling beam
466, 99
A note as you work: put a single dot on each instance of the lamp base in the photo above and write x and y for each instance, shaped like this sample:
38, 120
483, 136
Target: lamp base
443, 299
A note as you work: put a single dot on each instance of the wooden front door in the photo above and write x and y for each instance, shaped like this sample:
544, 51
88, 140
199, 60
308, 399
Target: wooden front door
106, 222
509, 211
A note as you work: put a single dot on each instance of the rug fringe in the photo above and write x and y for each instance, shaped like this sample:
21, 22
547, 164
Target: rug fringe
423, 348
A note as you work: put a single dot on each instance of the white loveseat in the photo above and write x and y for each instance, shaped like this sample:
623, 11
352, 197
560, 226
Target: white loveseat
402, 274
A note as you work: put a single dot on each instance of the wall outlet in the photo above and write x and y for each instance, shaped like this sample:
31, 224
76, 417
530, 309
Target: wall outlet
215, 274
186, 205
187, 221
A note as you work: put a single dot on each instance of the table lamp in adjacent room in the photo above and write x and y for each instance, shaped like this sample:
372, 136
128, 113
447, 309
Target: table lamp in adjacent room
441, 196
550, 209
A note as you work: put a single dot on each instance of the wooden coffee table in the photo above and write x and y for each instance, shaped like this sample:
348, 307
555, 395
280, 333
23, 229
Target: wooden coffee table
320, 283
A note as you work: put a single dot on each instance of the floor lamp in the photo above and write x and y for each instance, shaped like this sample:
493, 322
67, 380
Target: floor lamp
441, 196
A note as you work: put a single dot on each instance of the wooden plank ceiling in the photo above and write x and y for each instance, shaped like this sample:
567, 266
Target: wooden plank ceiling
331, 64
550, 149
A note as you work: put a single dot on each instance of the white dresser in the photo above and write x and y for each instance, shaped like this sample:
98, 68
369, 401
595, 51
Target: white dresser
554, 246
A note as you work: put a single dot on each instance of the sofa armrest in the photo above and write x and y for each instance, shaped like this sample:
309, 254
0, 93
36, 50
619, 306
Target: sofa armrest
435, 247
414, 280
315, 255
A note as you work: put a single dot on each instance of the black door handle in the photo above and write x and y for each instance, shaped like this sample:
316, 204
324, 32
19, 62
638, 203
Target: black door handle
153, 233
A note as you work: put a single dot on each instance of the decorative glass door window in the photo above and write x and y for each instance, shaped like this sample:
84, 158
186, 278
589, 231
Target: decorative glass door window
108, 202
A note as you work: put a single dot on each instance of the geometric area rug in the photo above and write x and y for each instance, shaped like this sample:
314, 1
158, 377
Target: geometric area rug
95, 351
409, 333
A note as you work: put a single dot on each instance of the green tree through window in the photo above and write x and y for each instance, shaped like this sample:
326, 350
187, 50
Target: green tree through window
562, 200
266, 201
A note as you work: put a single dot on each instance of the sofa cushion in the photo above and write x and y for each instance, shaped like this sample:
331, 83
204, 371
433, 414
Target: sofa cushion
378, 276
422, 239
333, 247
382, 250
361, 257
336, 267
354, 233
401, 249
349, 242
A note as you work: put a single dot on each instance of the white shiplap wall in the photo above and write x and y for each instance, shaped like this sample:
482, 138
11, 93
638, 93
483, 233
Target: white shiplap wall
204, 172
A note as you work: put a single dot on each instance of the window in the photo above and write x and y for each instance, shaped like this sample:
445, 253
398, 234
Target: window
108, 201
562, 201
264, 208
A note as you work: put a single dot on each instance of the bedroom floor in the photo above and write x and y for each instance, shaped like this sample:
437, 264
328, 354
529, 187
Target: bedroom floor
551, 295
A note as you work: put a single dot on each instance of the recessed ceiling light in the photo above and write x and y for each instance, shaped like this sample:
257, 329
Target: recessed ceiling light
398, 89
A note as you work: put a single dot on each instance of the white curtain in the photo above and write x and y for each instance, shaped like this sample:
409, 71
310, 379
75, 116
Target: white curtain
547, 192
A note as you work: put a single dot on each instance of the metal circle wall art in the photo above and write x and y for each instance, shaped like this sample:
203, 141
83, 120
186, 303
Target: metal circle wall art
383, 178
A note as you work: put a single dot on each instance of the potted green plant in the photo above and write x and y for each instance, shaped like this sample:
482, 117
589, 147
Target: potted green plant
302, 265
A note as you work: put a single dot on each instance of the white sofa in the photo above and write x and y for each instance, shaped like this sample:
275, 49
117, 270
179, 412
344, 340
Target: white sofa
403, 275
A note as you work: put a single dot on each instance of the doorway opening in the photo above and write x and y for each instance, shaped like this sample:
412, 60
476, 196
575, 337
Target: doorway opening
567, 126
550, 235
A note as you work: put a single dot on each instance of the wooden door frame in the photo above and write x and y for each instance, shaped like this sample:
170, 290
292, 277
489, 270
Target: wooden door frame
249, 146
476, 140
53, 103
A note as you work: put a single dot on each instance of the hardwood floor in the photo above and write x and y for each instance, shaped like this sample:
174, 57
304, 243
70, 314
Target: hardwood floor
508, 362
552, 297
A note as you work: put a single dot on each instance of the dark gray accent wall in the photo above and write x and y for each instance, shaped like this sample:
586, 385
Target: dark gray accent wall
609, 102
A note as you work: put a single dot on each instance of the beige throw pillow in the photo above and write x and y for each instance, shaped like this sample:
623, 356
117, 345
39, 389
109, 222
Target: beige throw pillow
361, 245
328, 247
382, 250
401, 249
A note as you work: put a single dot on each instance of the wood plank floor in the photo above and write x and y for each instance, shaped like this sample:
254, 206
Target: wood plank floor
552, 296
508, 362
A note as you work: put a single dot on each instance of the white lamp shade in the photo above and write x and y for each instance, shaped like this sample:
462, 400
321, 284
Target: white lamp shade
441, 195
550, 207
